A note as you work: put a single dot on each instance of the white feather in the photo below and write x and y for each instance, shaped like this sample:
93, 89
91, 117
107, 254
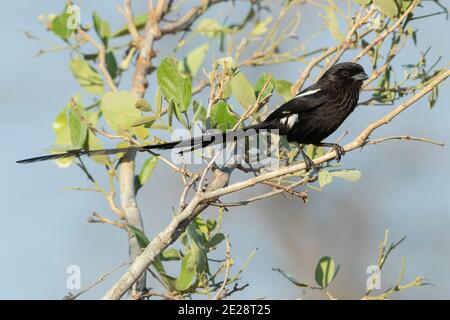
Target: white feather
292, 120
289, 120
307, 93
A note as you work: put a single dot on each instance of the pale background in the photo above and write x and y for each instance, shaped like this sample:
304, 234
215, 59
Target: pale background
404, 187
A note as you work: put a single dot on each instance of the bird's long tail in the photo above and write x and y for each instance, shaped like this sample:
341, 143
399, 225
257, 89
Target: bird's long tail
188, 144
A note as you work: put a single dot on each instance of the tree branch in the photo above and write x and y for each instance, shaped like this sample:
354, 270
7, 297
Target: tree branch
127, 163
101, 58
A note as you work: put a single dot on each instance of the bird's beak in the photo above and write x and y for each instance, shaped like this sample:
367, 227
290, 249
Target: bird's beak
360, 76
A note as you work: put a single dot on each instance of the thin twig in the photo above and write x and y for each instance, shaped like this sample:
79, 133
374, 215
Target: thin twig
406, 137
101, 58
100, 279
227, 269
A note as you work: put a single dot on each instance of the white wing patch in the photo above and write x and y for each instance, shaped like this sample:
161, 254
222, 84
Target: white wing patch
290, 120
307, 93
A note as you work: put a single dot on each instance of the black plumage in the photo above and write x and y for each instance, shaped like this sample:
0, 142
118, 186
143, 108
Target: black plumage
311, 116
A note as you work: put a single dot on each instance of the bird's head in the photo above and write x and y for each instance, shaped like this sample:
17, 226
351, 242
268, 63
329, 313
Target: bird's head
345, 73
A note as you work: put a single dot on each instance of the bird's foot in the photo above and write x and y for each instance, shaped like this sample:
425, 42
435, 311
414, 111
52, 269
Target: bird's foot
340, 151
309, 165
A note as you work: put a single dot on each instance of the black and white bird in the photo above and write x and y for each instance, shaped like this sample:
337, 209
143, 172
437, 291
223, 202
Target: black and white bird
308, 118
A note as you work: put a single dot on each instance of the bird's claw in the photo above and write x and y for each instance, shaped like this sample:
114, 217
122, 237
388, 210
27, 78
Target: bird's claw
339, 150
310, 165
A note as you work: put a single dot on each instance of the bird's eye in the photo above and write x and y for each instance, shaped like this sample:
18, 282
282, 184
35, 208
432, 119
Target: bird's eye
345, 73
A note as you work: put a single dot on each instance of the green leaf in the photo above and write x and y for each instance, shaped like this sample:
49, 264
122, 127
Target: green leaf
119, 110
170, 110
177, 110
387, 7
209, 27
200, 225
111, 64
60, 26
185, 276
211, 224
140, 236
157, 264
313, 151
195, 235
194, 59
159, 126
432, 98
146, 171
102, 28
261, 26
143, 105
215, 240
283, 88
261, 82
349, 175
404, 4
291, 278
145, 120
174, 85
94, 143
167, 279
325, 178
325, 272
78, 129
87, 77
243, 90
226, 93
221, 116
199, 113
63, 139
139, 21
170, 254
363, 2
158, 101
198, 260
141, 132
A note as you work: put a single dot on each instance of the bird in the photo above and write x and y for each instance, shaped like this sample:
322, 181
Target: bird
308, 118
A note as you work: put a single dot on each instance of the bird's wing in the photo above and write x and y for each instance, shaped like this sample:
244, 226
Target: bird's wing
304, 101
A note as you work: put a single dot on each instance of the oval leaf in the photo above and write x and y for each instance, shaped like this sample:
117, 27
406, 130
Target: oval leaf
140, 236
185, 276
146, 171
221, 116
349, 175
325, 272
243, 90
119, 110
174, 85
194, 59
87, 77
387, 7
215, 240
324, 178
